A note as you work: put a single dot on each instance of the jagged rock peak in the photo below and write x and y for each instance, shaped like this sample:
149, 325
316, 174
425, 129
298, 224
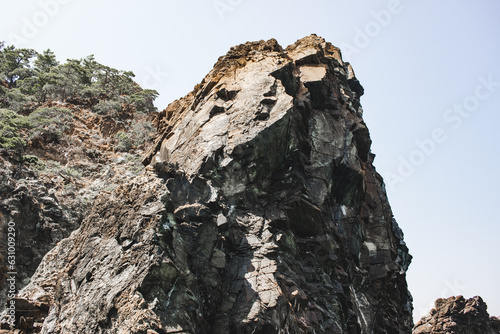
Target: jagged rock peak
306, 62
260, 211
458, 315
238, 55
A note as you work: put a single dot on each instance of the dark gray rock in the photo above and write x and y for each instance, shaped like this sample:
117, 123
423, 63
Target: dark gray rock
36, 217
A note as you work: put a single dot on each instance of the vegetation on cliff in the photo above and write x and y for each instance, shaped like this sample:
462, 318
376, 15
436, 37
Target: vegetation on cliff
68, 132
38, 95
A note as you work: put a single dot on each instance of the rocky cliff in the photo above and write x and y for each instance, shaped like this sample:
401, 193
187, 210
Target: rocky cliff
460, 316
260, 211
45, 194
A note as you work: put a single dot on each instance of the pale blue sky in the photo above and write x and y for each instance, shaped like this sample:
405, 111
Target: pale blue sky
432, 98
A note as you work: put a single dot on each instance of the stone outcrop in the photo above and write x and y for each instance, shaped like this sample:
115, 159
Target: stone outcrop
260, 211
460, 316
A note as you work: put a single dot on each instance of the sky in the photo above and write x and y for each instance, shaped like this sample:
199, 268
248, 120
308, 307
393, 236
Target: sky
431, 75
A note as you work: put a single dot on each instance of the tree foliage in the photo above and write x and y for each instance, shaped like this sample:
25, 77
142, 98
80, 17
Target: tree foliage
47, 124
10, 125
28, 77
15, 64
29, 81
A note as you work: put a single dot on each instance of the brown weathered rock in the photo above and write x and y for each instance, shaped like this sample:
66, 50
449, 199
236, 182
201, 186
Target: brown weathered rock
460, 316
264, 214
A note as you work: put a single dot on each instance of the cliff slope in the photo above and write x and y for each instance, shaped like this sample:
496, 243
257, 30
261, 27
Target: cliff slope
260, 211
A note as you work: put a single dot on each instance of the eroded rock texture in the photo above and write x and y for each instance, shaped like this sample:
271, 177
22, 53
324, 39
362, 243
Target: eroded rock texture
261, 212
460, 316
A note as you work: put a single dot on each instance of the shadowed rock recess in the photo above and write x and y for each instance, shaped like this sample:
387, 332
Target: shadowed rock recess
260, 212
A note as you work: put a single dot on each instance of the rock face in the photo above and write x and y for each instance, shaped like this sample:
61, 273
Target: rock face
39, 219
260, 212
460, 316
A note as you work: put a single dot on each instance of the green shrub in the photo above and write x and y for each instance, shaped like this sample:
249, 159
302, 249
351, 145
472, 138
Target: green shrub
49, 123
107, 107
16, 100
11, 124
125, 143
135, 163
90, 92
55, 167
71, 172
46, 123
143, 100
34, 162
136, 169
141, 132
